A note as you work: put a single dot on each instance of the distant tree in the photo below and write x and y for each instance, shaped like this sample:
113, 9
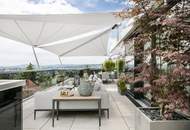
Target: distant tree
29, 73
30, 67
44, 79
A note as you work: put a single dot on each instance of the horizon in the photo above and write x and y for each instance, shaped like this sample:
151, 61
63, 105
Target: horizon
50, 65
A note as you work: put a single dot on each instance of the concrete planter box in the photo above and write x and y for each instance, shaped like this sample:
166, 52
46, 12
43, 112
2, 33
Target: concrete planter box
142, 122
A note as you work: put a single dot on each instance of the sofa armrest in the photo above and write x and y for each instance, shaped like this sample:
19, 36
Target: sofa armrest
104, 98
43, 100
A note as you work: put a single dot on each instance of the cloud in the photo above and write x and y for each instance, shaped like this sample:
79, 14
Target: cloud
89, 5
84, 3
111, 1
37, 7
128, 3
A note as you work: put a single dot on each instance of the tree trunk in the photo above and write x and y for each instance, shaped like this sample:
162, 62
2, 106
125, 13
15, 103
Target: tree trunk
153, 63
138, 56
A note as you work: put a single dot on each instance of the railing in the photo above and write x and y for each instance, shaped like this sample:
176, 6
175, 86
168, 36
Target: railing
38, 80
35, 80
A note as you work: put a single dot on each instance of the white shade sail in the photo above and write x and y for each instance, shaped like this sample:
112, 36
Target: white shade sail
130, 27
123, 49
42, 30
118, 51
90, 44
38, 30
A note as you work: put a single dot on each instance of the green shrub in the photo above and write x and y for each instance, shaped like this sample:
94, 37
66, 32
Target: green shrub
120, 65
60, 78
121, 86
29, 73
108, 65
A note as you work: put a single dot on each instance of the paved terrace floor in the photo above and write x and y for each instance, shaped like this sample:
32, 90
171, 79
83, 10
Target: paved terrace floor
122, 113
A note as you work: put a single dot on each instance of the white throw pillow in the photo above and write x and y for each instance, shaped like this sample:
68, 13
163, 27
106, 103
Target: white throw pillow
97, 86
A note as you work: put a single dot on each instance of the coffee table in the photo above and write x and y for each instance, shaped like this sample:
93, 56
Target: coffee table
56, 100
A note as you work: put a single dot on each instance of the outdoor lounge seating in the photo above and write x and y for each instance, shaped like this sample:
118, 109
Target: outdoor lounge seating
43, 101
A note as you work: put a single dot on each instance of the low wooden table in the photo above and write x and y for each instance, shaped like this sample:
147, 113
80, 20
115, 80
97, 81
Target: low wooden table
74, 98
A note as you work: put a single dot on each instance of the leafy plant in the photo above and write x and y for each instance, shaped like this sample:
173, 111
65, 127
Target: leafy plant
108, 65
29, 73
163, 40
121, 86
60, 78
120, 63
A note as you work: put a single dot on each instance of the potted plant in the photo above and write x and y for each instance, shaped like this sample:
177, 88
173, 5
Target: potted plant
120, 63
149, 119
170, 96
121, 86
108, 65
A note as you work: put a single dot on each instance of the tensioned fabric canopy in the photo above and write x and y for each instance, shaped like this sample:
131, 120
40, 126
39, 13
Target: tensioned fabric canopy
36, 30
43, 30
89, 44
130, 27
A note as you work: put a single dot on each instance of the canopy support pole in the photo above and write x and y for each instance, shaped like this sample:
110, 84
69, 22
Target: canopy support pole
60, 60
34, 52
117, 33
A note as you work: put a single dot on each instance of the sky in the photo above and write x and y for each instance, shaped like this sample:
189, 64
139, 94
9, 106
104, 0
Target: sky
14, 53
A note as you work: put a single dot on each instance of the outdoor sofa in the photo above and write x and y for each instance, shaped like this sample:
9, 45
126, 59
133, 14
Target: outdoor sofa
43, 100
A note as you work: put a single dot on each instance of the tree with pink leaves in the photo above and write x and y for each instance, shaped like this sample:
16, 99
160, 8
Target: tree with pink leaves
165, 36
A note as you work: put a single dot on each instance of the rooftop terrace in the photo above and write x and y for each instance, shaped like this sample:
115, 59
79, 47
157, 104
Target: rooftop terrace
122, 116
